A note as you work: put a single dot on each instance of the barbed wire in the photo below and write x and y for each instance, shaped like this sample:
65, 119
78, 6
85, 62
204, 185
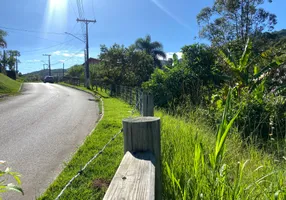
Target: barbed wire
82, 169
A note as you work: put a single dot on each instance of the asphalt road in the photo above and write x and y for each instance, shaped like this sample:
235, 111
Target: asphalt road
40, 129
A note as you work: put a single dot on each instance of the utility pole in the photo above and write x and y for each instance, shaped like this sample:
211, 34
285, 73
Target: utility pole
87, 83
16, 64
63, 69
49, 55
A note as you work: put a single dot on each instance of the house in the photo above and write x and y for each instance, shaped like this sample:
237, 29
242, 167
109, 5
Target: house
92, 61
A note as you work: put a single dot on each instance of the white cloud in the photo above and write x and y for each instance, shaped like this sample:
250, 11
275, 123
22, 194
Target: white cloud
33, 61
170, 55
81, 55
57, 53
66, 53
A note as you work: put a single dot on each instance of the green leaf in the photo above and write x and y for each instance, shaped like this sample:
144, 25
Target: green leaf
245, 56
13, 187
227, 60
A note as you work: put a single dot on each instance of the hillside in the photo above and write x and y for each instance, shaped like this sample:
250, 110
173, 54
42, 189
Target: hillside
7, 85
42, 73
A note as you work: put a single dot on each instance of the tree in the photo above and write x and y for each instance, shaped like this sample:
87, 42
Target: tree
3, 43
114, 62
12, 59
200, 59
155, 49
124, 66
76, 71
229, 20
4, 62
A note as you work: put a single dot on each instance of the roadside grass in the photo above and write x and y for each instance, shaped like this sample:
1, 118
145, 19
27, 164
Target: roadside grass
93, 182
8, 85
242, 172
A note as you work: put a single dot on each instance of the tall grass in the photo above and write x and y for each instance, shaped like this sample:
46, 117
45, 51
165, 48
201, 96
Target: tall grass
201, 163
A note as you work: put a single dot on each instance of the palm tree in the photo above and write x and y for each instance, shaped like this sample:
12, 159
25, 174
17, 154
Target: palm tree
3, 43
155, 49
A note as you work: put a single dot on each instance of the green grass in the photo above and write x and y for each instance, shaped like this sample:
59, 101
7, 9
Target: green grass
242, 171
8, 85
92, 183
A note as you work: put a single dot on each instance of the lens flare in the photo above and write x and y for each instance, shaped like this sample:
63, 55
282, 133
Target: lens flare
56, 15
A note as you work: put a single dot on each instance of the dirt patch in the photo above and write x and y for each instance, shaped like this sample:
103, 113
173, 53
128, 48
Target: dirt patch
100, 184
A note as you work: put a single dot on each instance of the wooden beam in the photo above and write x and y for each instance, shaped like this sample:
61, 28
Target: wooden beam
134, 179
142, 134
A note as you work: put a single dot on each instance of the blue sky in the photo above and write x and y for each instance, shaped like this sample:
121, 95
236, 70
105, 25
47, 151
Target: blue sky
173, 23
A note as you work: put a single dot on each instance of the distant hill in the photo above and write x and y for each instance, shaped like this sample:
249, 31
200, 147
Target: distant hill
43, 73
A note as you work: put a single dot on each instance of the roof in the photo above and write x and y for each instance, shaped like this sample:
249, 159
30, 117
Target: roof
92, 61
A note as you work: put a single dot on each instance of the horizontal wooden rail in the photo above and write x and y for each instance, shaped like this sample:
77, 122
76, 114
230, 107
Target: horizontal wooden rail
139, 174
134, 179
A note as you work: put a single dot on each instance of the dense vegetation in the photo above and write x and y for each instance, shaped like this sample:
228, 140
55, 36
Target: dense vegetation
243, 58
238, 82
9, 58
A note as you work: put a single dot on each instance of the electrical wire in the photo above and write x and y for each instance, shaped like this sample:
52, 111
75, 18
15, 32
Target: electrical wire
32, 31
67, 59
27, 34
48, 47
93, 10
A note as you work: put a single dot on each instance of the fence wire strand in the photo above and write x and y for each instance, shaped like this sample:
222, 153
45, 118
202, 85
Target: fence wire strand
82, 169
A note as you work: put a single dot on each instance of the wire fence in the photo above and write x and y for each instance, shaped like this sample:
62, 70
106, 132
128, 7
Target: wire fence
85, 166
132, 96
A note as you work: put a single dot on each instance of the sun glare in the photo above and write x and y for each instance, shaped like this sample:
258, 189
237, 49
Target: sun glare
57, 4
56, 14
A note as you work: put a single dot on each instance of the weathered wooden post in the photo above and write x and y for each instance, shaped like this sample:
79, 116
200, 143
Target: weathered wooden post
142, 134
147, 105
136, 99
130, 96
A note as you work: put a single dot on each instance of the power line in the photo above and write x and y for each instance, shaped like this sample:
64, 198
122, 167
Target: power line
67, 59
73, 8
32, 31
93, 10
80, 13
48, 47
27, 34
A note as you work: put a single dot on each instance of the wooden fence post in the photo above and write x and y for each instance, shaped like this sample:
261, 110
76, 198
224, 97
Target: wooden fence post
142, 134
147, 105
130, 96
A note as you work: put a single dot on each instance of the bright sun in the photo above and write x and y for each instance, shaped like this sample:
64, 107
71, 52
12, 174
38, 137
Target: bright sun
56, 14
57, 4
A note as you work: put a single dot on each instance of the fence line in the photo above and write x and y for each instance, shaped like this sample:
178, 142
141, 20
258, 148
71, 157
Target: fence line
146, 144
82, 169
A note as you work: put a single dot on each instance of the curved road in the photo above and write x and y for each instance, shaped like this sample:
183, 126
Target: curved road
40, 129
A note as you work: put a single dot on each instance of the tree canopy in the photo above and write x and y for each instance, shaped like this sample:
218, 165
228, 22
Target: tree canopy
229, 20
155, 49
3, 43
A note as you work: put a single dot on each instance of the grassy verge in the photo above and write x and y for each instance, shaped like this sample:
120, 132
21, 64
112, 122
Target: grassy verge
92, 183
188, 144
8, 85
243, 172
